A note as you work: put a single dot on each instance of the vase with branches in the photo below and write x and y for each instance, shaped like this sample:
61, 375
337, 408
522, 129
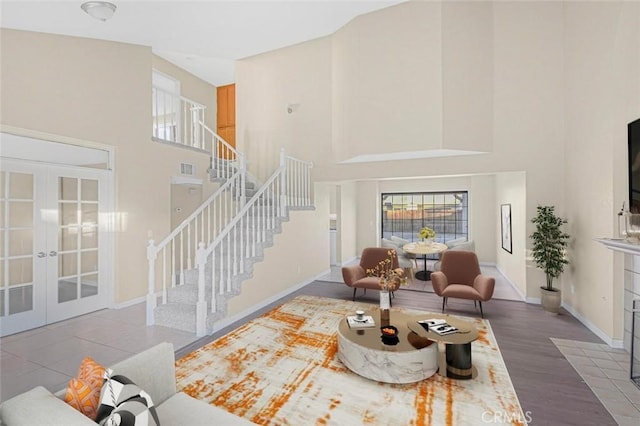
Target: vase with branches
390, 278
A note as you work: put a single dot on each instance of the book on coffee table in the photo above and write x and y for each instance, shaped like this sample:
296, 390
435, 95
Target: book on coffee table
443, 329
438, 326
366, 321
432, 322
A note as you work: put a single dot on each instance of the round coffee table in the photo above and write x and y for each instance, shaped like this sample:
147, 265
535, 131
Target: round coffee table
454, 350
361, 350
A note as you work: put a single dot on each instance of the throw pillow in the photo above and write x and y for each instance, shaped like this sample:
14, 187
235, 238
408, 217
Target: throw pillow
83, 392
91, 372
123, 403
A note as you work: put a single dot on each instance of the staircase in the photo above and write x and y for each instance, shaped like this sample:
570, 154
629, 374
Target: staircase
180, 311
200, 265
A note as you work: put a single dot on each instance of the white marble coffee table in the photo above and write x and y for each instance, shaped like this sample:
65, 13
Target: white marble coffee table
362, 351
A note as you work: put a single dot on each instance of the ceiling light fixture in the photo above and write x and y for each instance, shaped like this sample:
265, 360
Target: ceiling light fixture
102, 10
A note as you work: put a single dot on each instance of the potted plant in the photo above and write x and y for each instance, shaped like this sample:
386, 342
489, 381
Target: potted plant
549, 247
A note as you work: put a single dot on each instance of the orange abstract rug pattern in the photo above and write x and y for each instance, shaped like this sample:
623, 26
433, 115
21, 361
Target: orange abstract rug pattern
282, 369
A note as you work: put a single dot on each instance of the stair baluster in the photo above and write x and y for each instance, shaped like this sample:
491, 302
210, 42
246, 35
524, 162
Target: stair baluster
225, 234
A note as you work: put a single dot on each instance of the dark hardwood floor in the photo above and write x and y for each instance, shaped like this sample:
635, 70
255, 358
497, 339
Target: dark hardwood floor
549, 389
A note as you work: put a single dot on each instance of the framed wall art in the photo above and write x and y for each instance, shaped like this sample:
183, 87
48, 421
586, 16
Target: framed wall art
505, 226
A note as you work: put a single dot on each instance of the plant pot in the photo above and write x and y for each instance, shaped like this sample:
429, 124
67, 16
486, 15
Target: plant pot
551, 300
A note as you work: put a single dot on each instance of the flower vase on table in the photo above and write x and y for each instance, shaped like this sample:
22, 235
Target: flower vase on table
426, 236
390, 279
385, 305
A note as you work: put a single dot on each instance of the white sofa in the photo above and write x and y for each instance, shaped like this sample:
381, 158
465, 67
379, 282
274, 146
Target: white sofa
153, 370
461, 244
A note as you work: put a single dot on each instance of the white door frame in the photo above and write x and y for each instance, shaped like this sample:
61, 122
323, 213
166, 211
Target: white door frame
107, 245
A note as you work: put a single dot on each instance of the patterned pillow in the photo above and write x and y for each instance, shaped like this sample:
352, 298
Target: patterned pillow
83, 392
91, 372
123, 403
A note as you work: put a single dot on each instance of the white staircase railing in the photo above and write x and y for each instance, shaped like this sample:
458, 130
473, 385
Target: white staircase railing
178, 120
296, 181
224, 157
237, 243
226, 231
177, 252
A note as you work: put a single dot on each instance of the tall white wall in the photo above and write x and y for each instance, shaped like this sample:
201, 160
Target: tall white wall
387, 81
563, 84
602, 87
467, 75
266, 85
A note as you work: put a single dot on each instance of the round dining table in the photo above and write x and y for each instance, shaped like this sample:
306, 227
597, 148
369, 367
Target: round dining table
423, 249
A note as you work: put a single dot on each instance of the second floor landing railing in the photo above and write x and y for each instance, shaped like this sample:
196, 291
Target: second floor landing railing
177, 119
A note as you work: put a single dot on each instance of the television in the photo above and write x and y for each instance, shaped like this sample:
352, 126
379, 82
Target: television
633, 130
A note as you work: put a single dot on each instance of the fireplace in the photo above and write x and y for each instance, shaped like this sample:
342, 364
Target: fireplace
635, 343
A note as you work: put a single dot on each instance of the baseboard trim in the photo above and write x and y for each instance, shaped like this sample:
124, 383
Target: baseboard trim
122, 305
614, 343
523, 297
226, 322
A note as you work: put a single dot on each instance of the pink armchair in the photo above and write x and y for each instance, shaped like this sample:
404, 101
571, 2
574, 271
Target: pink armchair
356, 275
460, 277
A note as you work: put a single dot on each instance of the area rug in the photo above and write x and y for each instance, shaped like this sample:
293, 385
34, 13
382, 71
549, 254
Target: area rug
282, 369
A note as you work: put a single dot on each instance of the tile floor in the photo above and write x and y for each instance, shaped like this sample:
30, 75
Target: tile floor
606, 371
50, 355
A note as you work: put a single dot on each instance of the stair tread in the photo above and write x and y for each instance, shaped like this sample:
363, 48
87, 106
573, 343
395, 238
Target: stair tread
180, 310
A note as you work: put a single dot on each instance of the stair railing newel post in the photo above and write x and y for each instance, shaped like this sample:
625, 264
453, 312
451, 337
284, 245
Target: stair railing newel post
151, 296
201, 305
283, 184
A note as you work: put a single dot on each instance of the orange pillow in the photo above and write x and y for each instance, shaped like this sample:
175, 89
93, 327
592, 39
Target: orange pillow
91, 372
83, 392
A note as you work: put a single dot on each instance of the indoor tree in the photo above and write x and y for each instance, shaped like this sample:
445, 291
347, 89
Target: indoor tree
549, 243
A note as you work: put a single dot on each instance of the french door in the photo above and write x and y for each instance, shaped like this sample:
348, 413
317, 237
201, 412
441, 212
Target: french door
54, 261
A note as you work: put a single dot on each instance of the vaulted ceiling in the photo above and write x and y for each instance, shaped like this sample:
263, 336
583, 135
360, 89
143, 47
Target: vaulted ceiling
203, 37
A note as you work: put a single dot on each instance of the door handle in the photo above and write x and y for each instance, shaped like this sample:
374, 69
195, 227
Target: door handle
41, 254
53, 253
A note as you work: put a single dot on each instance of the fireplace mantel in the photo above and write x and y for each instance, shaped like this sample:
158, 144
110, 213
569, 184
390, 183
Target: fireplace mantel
620, 244
631, 277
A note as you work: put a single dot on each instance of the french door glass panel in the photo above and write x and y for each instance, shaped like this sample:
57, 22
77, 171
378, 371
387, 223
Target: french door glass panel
78, 271
22, 302
52, 260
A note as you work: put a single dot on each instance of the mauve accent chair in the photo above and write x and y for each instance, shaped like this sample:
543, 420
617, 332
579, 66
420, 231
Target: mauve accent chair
356, 275
460, 277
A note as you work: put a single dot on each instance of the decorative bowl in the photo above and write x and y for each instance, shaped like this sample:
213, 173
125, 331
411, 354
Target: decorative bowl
389, 331
389, 335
